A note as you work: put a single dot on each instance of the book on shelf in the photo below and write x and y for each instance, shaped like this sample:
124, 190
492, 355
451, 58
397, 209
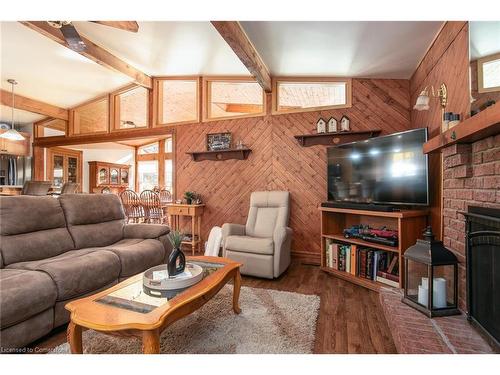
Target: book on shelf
348, 259
327, 253
353, 264
363, 262
341, 258
335, 256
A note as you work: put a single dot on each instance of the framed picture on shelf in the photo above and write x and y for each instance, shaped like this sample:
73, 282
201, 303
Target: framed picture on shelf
218, 141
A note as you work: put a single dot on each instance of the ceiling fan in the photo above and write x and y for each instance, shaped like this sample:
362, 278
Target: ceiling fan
74, 39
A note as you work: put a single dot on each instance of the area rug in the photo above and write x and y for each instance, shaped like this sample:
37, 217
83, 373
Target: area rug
270, 322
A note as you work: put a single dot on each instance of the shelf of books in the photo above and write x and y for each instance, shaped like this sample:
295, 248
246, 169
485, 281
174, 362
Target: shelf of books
366, 248
370, 267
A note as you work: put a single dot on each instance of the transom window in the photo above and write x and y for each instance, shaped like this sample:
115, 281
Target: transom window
489, 73
151, 148
299, 95
229, 98
178, 101
131, 108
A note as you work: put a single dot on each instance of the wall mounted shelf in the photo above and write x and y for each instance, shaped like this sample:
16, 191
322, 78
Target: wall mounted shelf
482, 125
335, 139
220, 155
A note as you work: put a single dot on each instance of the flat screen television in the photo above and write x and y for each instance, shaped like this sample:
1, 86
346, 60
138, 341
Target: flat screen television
386, 170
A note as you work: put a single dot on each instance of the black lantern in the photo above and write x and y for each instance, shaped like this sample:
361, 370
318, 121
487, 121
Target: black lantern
431, 277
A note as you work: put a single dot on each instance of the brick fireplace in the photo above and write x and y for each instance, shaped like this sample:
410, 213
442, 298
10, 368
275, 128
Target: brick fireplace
471, 177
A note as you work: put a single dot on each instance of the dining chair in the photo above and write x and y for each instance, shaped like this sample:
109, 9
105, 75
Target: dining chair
165, 196
152, 207
70, 188
36, 188
132, 206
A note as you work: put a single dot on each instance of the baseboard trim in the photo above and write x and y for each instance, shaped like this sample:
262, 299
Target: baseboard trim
307, 257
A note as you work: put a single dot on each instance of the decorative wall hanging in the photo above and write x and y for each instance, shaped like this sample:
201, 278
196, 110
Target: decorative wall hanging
218, 141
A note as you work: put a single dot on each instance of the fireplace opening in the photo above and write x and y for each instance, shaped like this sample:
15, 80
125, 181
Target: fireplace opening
483, 270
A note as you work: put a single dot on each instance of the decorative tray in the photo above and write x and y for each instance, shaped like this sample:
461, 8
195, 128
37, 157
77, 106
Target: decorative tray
157, 283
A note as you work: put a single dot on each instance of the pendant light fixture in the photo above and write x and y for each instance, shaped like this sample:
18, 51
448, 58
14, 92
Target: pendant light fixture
12, 133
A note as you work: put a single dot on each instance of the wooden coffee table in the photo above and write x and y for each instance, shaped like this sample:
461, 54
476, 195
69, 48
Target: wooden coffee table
125, 310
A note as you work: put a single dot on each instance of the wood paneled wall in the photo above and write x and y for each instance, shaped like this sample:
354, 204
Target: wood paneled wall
447, 61
278, 162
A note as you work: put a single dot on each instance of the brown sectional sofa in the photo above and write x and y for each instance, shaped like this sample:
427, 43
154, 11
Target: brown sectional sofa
55, 250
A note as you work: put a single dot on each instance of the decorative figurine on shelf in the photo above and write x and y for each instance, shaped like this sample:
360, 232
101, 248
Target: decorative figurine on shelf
321, 126
177, 259
240, 145
332, 125
345, 124
189, 196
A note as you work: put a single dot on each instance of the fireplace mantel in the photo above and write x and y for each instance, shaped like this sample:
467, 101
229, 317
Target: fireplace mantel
486, 123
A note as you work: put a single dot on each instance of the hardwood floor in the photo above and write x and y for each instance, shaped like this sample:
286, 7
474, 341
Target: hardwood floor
350, 318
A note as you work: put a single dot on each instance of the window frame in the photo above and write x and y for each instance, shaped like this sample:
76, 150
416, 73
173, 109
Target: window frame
207, 80
275, 93
158, 96
480, 82
114, 115
42, 123
74, 110
160, 157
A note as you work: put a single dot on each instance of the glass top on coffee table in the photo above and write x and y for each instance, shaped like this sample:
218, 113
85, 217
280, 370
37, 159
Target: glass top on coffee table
132, 297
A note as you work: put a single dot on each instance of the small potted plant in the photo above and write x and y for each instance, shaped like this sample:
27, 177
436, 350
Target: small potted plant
189, 196
177, 259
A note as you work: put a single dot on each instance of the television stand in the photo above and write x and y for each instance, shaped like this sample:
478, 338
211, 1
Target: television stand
360, 206
409, 224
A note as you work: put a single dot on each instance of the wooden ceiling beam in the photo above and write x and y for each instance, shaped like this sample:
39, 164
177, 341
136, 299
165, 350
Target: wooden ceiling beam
93, 52
122, 135
235, 36
131, 26
34, 106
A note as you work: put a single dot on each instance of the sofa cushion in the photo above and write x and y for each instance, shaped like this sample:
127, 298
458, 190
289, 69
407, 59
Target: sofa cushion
94, 220
78, 271
25, 332
137, 255
248, 244
24, 294
32, 228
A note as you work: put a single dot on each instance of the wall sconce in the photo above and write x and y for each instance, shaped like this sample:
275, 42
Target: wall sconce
423, 99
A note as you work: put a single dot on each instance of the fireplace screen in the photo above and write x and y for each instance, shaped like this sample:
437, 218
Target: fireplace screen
483, 269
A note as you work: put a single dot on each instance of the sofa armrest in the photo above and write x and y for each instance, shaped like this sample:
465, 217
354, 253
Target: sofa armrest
282, 238
232, 230
145, 231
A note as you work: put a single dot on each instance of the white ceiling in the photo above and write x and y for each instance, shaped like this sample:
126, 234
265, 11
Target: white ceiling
20, 117
350, 49
53, 74
50, 72
169, 48
484, 38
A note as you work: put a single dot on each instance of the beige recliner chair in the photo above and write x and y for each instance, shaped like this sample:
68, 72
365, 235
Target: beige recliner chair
263, 244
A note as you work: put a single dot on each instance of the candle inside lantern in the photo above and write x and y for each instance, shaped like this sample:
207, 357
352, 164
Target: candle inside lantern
439, 292
422, 295
425, 282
